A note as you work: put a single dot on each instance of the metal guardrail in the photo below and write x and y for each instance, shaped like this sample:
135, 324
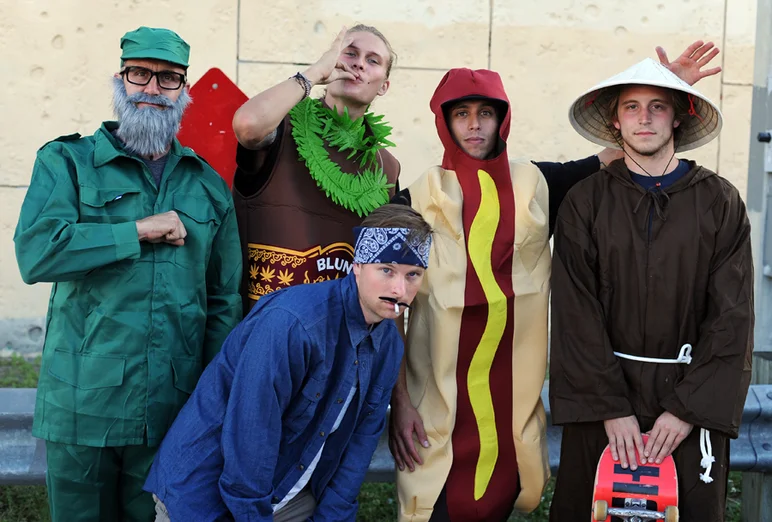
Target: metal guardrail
23, 457
751, 451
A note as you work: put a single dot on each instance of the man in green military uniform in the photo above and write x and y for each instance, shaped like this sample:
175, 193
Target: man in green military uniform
138, 235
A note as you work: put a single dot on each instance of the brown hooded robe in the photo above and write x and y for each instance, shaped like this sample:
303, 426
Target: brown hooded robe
643, 274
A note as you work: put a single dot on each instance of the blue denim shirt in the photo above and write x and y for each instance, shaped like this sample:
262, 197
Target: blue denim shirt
268, 401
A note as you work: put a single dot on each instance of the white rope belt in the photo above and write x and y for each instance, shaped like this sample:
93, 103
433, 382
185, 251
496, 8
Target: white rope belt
684, 357
706, 448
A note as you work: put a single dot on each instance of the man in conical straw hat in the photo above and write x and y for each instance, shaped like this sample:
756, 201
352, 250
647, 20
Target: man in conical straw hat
652, 298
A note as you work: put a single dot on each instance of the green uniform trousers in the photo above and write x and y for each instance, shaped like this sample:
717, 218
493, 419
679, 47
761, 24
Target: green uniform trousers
89, 484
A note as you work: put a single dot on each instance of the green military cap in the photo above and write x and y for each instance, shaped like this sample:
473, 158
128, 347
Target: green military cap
156, 44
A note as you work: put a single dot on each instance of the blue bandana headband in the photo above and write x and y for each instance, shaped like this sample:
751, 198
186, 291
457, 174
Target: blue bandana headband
391, 246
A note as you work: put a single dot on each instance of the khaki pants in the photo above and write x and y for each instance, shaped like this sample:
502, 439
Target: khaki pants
300, 508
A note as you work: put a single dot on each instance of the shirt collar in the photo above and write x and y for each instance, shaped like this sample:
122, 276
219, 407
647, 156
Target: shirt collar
107, 147
358, 329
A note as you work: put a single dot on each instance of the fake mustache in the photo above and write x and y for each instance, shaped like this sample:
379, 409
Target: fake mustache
396, 303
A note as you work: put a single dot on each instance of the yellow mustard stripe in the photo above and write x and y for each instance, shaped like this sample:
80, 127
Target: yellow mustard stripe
480, 241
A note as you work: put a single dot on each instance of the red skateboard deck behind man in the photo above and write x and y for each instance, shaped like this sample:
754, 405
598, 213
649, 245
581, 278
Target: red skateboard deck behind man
207, 122
623, 495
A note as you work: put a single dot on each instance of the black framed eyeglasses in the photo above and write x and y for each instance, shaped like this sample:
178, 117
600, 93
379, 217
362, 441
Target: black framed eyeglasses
167, 80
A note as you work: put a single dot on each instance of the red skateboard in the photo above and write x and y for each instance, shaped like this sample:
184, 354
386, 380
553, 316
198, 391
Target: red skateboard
622, 495
207, 125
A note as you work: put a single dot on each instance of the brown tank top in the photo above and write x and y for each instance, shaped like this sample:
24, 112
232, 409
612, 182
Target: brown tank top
291, 232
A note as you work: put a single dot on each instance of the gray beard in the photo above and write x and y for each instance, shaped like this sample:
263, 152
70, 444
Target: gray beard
147, 131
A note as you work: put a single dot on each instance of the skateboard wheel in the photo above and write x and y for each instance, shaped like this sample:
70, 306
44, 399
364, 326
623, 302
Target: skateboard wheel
671, 514
600, 511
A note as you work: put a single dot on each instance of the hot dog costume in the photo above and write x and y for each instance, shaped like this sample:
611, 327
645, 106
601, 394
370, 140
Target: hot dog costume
476, 348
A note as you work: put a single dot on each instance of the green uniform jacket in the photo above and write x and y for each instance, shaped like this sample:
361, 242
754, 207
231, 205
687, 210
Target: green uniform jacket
130, 325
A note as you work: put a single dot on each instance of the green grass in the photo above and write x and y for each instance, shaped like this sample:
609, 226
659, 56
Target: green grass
377, 501
23, 504
734, 501
17, 372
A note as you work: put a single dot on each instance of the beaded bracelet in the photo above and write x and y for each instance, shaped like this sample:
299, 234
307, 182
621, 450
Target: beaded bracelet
303, 82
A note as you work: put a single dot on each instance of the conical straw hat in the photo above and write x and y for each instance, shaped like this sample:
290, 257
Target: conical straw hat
588, 114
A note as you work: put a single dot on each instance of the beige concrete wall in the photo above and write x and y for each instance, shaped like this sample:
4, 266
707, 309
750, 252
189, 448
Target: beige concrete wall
57, 56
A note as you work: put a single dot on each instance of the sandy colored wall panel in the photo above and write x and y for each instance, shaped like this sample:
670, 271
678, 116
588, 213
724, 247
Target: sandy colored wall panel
426, 34
736, 135
257, 77
17, 300
406, 107
739, 45
628, 16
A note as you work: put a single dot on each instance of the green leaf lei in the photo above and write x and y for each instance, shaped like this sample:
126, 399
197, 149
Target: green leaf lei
313, 124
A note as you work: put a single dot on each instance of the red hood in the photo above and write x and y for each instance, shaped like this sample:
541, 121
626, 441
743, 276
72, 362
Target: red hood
466, 83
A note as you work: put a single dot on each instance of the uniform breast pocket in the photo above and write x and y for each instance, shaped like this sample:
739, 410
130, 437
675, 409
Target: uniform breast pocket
110, 205
302, 408
201, 221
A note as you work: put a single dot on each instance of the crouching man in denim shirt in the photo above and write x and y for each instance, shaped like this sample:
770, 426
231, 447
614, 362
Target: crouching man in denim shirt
284, 421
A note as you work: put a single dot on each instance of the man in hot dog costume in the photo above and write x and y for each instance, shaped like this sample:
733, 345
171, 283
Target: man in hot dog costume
477, 337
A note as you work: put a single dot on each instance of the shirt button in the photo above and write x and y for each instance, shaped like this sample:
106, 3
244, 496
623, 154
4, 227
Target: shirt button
318, 395
356, 362
275, 500
339, 401
321, 434
301, 467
